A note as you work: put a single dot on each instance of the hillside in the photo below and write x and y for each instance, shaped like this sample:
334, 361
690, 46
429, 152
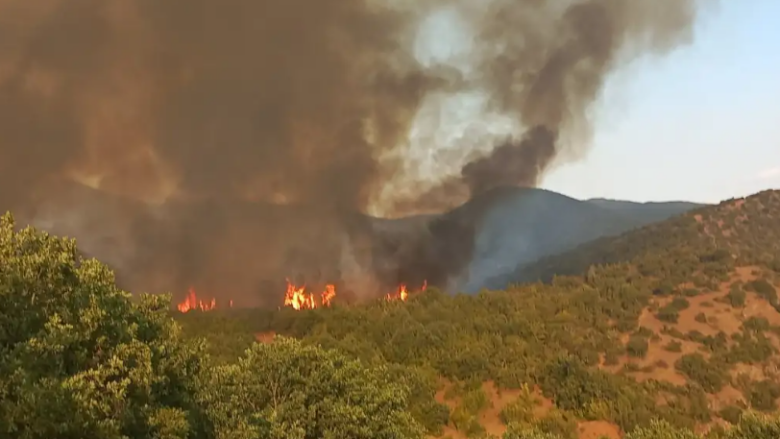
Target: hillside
562, 228
748, 228
515, 226
675, 321
679, 333
648, 212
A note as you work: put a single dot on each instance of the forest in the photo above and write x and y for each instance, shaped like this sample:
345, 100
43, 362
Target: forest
647, 332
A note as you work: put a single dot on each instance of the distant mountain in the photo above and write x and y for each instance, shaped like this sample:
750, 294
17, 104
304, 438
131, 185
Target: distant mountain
646, 212
516, 226
747, 228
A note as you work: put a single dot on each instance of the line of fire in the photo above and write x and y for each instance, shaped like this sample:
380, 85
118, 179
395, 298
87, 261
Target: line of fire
296, 297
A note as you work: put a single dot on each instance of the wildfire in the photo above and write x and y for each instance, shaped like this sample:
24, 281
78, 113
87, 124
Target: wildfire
192, 302
297, 297
402, 294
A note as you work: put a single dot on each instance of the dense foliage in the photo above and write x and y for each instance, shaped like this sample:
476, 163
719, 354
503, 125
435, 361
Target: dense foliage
555, 335
81, 358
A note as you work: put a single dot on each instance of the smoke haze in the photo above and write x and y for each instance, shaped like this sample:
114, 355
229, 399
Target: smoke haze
165, 135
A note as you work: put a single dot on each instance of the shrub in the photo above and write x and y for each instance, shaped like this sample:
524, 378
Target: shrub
709, 376
673, 346
637, 346
763, 289
736, 297
671, 312
668, 315
690, 292
731, 414
558, 423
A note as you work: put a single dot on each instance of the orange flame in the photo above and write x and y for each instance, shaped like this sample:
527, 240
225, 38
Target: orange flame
328, 294
403, 293
192, 302
297, 297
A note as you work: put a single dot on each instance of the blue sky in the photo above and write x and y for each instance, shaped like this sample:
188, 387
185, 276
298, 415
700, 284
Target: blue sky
700, 124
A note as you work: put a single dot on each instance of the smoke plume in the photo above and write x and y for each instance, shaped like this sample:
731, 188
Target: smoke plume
165, 135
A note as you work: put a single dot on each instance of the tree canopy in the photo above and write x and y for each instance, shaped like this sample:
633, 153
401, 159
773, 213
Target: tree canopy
80, 358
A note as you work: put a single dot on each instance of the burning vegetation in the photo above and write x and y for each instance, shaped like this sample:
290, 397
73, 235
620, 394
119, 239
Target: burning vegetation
192, 302
296, 297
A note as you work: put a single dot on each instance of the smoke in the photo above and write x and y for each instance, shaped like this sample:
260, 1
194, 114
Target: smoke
540, 65
287, 101
201, 118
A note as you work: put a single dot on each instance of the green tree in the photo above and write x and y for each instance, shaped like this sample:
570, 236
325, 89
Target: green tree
637, 346
287, 390
77, 357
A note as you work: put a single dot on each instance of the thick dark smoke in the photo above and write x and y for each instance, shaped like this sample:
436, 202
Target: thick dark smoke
240, 99
222, 143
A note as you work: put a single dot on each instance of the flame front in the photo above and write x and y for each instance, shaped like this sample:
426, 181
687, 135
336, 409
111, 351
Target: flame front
192, 302
297, 298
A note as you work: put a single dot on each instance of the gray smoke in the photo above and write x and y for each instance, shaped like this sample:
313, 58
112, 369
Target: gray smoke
194, 121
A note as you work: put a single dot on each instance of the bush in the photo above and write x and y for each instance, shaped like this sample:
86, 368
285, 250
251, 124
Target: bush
731, 414
736, 297
673, 346
521, 410
691, 292
671, 312
710, 377
475, 401
668, 315
763, 395
637, 346
756, 324
763, 289
558, 423
774, 265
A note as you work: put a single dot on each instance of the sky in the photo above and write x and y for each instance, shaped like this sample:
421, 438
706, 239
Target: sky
701, 124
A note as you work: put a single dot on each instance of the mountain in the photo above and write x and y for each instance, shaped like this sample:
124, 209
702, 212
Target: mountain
646, 213
676, 321
745, 225
490, 235
517, 226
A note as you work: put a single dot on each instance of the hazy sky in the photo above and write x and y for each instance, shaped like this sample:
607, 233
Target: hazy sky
701, 124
